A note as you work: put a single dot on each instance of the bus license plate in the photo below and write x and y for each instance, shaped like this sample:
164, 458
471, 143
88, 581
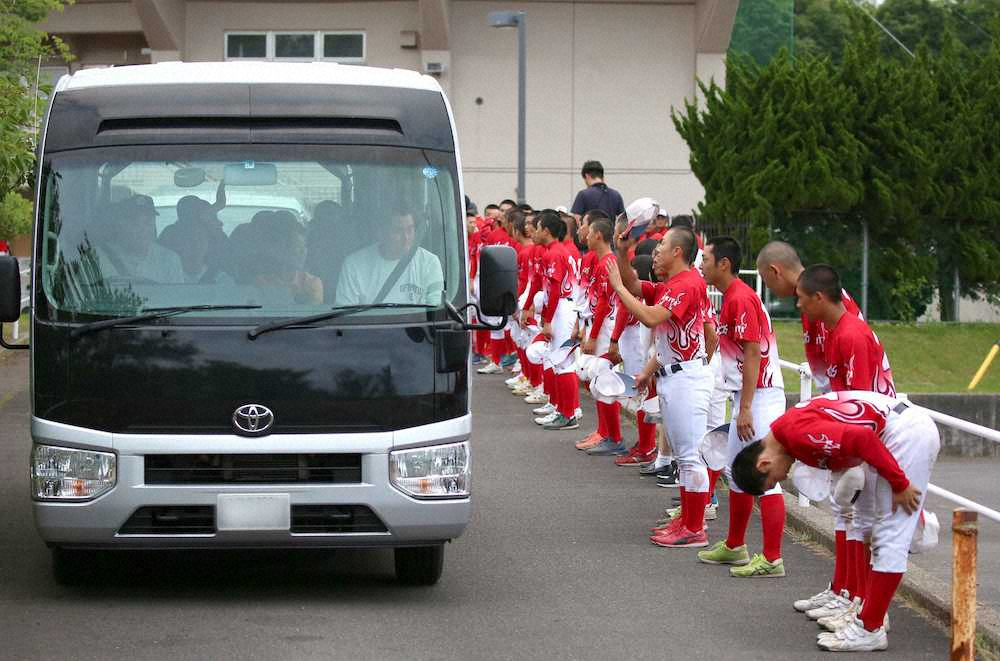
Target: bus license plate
262, 511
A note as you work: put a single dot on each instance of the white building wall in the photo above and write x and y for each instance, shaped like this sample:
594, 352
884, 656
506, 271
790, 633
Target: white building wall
602, 79
207, 23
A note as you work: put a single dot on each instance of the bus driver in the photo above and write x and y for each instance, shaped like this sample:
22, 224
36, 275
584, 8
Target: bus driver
366, 272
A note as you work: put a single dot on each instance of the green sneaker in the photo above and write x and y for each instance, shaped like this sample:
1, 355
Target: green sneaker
720, 554
759, 567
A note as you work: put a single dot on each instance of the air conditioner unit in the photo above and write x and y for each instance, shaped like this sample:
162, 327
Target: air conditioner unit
435, 68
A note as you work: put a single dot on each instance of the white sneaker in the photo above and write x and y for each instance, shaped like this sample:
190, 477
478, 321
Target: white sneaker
513, 381
833, 607
522, 391
536, 396
711, 512
490, 368
854, 638
544, 420
842, 619
545, 409
516, 367
578, 414
815, 601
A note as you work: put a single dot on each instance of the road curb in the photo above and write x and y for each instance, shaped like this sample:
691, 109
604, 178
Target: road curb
919, 586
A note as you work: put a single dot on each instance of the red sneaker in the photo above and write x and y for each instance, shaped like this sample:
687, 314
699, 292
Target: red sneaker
667, 529
635, 458
589, 441
681, 538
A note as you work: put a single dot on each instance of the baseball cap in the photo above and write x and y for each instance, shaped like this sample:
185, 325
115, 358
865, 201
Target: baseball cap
640, 213
562, 209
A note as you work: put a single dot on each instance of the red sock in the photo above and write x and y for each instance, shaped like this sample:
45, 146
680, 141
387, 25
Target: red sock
859, 558
549, 385
496, 350
536, 375
713, 477
881, 587
568, 386
613, 421
839, 581
850, 569
508, 343
740, 508
482, 342
521, 358
647, 433
602, 426
772, 518
693, 509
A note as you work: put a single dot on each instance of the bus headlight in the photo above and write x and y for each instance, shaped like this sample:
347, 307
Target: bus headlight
439, 471
71, 474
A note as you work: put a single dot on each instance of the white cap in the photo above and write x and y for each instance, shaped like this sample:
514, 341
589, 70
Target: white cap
643, 210
562, 209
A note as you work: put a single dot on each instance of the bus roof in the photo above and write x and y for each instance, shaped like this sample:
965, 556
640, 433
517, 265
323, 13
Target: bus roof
255, 72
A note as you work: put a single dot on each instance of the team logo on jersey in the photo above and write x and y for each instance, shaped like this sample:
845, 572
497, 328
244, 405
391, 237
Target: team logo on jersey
850, 369
824, 444
831, 371
669, 301
741, 325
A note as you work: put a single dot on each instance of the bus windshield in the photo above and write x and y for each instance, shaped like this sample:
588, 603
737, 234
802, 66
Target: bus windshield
295, 230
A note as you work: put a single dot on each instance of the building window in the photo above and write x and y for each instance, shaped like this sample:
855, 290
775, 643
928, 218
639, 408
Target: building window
345, 47
246, 46
295, 45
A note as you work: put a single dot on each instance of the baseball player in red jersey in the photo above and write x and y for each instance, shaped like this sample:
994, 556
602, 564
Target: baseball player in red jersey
837, 431
674, 308
534, 301
521, 384
752, 373
629, 345
497, 236
587, 263
855, 360
559, 320
779, 267
603, 308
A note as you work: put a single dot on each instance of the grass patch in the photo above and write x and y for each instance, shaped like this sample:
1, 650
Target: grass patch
931, 357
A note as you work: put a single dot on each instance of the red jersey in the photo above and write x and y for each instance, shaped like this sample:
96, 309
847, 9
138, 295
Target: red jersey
856, 360
602, 300
814, 336
523, 267
560, 278
841, 430
587, 264
681, 337
744, 319
571, 248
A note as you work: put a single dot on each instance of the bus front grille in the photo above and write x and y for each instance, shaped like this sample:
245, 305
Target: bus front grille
183, 469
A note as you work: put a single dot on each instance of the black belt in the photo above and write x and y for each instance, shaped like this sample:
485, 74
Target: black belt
899, 408
674, 368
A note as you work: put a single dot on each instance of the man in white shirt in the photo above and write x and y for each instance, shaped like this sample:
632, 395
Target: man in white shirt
365, 272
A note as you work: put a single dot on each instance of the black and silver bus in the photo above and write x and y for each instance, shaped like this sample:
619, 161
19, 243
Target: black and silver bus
247, 313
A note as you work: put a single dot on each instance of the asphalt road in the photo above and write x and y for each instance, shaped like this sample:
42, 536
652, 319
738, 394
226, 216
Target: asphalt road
555, 565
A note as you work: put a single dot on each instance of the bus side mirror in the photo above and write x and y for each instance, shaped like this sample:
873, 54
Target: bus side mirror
498, 281
10, 290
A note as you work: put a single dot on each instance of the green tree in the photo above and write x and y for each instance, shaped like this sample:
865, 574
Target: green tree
23, 48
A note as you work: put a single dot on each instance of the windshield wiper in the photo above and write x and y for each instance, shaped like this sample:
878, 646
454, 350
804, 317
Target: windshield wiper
150, 314
333, 313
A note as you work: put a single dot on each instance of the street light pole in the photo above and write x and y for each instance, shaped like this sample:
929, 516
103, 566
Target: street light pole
511, 19
522, 76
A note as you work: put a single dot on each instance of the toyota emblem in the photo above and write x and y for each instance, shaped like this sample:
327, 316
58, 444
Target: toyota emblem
252, 419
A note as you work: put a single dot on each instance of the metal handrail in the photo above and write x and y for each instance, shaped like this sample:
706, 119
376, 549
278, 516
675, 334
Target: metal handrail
805, 392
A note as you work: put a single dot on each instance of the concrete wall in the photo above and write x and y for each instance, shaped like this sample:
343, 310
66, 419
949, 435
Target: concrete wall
601, 81
207, 23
